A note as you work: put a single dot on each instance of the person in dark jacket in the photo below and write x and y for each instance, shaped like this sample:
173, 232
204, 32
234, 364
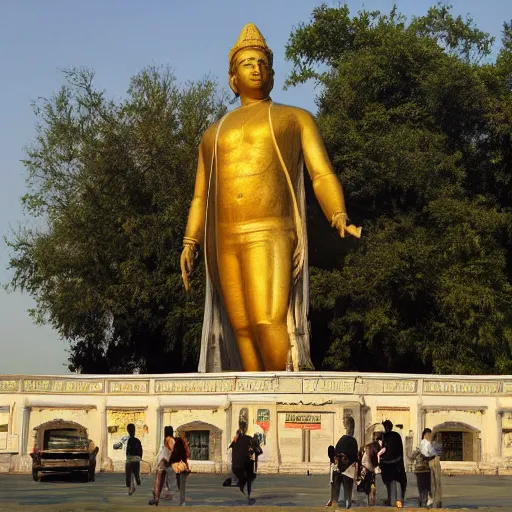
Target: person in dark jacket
344, 461
243, 461
133, 458
391, 460
229, 481
93, 453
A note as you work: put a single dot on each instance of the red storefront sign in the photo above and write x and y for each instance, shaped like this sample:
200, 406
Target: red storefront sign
303, 421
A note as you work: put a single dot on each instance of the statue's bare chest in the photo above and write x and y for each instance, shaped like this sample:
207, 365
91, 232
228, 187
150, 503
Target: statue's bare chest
245, 143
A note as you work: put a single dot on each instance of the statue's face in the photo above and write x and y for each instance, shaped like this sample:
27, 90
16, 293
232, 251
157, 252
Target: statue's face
253, 76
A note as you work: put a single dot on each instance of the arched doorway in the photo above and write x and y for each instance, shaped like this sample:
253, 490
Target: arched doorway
60, 434
457, 441
62, 446
205, 441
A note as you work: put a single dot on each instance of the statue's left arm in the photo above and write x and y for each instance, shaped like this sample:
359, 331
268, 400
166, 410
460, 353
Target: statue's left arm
326, 185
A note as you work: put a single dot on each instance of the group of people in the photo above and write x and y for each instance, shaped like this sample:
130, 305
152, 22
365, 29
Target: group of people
384, 456
174, 453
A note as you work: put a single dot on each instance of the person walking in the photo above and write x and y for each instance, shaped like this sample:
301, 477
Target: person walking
229, 481
368, 464
421, 458
344, 459
133, 458
391, 461
179, 463
243, 459
162, 464
436, 493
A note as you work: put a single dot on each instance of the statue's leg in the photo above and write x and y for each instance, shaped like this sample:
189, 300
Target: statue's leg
230, 274
267, 271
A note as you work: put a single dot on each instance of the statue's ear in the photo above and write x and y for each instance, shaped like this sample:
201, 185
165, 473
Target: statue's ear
232, 84
271, 84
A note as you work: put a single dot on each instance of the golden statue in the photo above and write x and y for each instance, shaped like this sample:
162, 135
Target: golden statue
248, 212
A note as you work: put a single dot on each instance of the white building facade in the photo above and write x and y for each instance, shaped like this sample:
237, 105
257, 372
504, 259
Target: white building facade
296, 415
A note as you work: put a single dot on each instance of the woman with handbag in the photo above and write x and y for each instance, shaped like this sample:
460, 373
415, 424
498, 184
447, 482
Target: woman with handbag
179, 464
162, 463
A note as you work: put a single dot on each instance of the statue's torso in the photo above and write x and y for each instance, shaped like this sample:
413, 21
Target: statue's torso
251, 184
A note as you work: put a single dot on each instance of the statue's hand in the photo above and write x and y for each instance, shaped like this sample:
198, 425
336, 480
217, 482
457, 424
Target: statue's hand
187, 263
339, 222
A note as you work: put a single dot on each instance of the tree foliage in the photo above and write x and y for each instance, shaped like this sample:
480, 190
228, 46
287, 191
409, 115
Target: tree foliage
417, 123
110, 184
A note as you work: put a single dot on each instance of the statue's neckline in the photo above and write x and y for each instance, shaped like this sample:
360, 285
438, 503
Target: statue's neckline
259, 102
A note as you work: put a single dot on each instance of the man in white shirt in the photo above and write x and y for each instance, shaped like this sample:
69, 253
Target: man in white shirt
428, 473
426, 447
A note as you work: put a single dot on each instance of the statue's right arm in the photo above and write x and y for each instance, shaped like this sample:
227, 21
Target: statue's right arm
194, 231
195, 225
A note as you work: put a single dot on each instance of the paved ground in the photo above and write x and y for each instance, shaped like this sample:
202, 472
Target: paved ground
20, 492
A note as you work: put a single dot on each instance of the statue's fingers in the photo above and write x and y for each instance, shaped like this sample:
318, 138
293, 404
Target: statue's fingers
184, 276
190, 263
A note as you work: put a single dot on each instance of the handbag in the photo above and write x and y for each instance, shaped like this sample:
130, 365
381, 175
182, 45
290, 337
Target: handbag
179, 467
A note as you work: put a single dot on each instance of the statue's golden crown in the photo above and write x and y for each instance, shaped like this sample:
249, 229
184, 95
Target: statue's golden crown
250, 37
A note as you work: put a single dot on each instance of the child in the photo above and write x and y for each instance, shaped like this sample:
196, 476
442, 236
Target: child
133, 458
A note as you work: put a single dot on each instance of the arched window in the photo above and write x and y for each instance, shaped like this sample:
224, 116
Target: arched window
457, 441
204, 441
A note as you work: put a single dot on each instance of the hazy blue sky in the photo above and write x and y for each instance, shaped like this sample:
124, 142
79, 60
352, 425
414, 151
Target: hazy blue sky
117, 38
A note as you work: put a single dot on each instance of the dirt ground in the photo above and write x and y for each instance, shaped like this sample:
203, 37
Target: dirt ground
273, 493
95, 507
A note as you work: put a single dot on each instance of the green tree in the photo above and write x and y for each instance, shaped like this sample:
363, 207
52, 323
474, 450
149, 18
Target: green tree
109, 186
417, 123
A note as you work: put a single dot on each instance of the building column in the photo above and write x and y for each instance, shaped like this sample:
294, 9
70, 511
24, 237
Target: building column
159, 427
274, 425
155, 430
102, 411
227, 435
499, 421
363, 409
422, 414
25, 425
